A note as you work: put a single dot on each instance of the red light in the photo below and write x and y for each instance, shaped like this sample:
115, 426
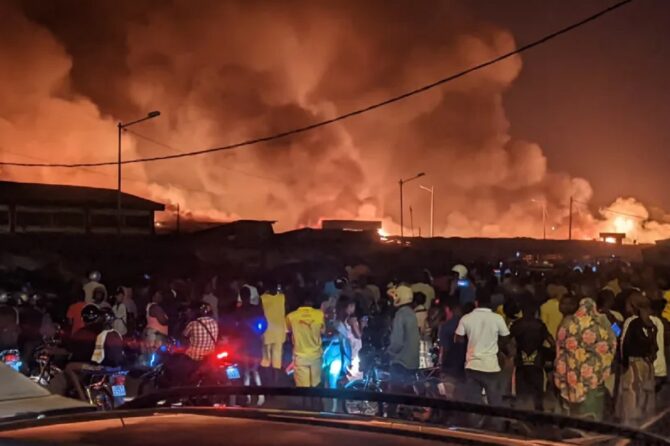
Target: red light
11, 358
222, 355
120, 379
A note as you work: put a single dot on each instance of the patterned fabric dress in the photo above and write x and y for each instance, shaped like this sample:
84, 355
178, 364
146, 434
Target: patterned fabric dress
585, 350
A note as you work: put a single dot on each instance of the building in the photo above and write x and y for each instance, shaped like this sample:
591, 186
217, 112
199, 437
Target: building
613, 237
352, 225
58, 209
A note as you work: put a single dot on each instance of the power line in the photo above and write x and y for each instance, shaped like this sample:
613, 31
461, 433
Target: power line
167, 146
614, 212
348, 115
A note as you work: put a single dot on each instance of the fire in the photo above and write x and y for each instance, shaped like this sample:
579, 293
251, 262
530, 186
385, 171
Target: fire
382, 233
610, 240
623, 225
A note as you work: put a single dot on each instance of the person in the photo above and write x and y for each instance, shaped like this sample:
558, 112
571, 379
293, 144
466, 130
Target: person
636, 398
91, 285
274, 308
550, 311
202, 333
210, 298
403, 349
585, 348
533, 340
421, 313
452, 354
99, 297
346, 324
9, 324
156, 330
306, 325
73, 315
605, 303
120, 313
423, 285
483, 329
82, 346
131, 308
108, 348
251, 324
462, 286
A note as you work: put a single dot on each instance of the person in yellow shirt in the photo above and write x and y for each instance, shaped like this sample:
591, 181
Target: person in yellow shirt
306, 325
274, 308
549, 311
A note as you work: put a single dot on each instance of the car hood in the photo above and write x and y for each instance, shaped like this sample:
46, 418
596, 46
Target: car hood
21, 396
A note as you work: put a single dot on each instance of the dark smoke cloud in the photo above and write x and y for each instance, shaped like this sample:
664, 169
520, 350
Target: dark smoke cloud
224, 71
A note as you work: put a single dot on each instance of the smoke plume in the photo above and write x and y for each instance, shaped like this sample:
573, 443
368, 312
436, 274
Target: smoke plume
221, 72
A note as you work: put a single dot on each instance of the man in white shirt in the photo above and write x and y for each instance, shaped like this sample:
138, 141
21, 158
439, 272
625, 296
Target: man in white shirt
483, 329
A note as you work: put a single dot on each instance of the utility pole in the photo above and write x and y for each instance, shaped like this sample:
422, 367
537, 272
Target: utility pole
411, 220
544, 220
121, 126
402, 209
570, 221
431, 189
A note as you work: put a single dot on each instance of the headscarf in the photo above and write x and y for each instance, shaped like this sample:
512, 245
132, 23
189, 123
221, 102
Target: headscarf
585, 348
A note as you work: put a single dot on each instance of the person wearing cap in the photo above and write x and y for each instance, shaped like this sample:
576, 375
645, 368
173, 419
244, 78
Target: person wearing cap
403, 349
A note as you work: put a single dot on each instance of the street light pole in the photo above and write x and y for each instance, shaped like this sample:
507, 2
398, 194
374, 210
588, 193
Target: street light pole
402, 210
431, 189
121, 126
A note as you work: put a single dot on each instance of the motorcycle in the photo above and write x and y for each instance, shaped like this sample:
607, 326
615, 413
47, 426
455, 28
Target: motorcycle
217, 369
12, 358
106, 388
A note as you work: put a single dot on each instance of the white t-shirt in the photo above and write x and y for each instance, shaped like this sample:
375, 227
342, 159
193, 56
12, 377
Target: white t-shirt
483, 327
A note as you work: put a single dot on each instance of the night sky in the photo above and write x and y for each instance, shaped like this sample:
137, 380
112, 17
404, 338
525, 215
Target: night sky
582, 116
597, 100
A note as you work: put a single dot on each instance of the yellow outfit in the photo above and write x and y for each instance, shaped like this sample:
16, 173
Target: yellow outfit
666, 310
551, 316
274, 308
306, 325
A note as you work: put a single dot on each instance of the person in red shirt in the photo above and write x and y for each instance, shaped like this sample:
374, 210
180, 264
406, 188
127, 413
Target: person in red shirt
73, 315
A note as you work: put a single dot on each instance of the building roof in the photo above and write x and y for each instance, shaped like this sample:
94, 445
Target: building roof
57, 194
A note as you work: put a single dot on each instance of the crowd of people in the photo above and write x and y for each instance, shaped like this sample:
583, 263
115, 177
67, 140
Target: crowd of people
586, 340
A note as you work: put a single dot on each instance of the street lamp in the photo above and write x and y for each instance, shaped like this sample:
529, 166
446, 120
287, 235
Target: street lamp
121, 126
544, 217
402, 210
431, 189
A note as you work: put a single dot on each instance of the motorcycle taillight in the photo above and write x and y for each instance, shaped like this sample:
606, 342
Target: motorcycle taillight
119, 380
10, 358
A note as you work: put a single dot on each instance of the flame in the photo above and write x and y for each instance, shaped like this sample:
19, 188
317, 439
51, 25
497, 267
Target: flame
610, 240
623, 225
382, 233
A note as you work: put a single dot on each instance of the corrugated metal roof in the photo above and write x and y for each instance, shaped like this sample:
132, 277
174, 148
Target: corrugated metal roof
58, 194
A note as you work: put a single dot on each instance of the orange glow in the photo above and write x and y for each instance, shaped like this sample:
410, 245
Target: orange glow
623, 225
610, 240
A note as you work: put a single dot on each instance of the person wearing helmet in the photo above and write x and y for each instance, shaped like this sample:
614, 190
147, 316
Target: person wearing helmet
89, 287
89, 347
462, 286
403, 349
108, 349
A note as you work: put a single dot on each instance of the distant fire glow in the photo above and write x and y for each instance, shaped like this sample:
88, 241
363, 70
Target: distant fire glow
63, 95
610, 240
